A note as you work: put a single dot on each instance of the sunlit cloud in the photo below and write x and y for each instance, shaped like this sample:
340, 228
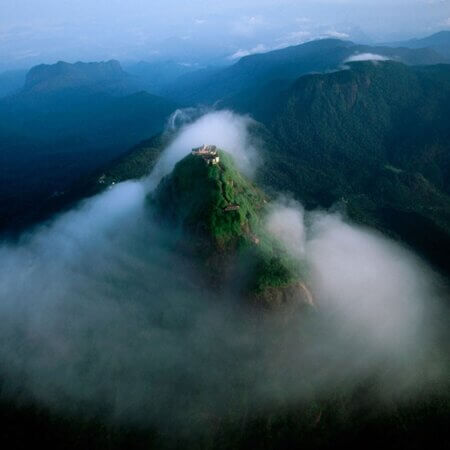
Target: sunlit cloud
366, 57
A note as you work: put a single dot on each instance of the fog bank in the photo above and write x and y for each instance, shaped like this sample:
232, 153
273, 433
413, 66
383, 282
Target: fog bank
224, 129
100, 314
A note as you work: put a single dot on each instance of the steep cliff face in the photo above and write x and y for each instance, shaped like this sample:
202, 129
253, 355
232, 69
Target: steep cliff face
218, 216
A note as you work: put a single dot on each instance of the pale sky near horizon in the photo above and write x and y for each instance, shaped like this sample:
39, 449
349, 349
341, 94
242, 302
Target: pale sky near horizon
34, 31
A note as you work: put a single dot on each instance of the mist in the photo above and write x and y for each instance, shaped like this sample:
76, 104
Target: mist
201, 32
380, 298
366, 57
222, 128
101, 315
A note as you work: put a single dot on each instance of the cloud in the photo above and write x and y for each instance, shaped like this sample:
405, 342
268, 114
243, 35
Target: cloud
303, 20
101, 311
223, 128
302, 36
288, 40
294, 38
336, 35
366, 57
246, 26
184, 116
285, 221
368, 282
380, 296
71, 32
260, 48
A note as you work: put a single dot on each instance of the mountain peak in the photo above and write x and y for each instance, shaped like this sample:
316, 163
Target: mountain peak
218, 215
439, 37
207, 196
439, 42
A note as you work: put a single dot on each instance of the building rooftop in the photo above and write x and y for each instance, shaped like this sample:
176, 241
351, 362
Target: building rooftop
205, 150
208, 153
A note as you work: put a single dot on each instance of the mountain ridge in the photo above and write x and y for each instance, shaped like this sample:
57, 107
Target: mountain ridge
440, 42
251, 71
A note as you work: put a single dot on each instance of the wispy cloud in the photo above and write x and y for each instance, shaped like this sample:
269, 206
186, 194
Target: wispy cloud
246, 26
366, 57
294, 38
260, 48
289, 39
336, 34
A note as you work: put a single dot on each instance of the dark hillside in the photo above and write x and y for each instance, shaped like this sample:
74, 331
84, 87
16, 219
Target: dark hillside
375, 139
439, 42
254, 71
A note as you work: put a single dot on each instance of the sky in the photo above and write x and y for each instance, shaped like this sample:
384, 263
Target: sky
199, 31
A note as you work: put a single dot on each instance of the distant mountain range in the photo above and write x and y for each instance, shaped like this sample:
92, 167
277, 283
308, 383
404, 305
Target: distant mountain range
169, 77
440, 42
11, 82
209, 86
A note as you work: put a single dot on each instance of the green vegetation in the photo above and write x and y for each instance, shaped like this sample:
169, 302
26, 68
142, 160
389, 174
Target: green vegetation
134, 164
222, 209
271, 272
258, 70
374, 139
198, 194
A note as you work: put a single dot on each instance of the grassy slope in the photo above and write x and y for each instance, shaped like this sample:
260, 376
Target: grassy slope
193, 198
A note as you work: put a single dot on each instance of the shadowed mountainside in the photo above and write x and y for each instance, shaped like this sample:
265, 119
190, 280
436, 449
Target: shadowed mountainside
439, 42
254, 71
68, 120
374, 139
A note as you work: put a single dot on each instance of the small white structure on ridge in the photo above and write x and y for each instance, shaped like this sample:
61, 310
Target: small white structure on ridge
208, 153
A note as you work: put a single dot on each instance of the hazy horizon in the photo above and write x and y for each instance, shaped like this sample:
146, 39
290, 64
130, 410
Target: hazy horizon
200, 32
